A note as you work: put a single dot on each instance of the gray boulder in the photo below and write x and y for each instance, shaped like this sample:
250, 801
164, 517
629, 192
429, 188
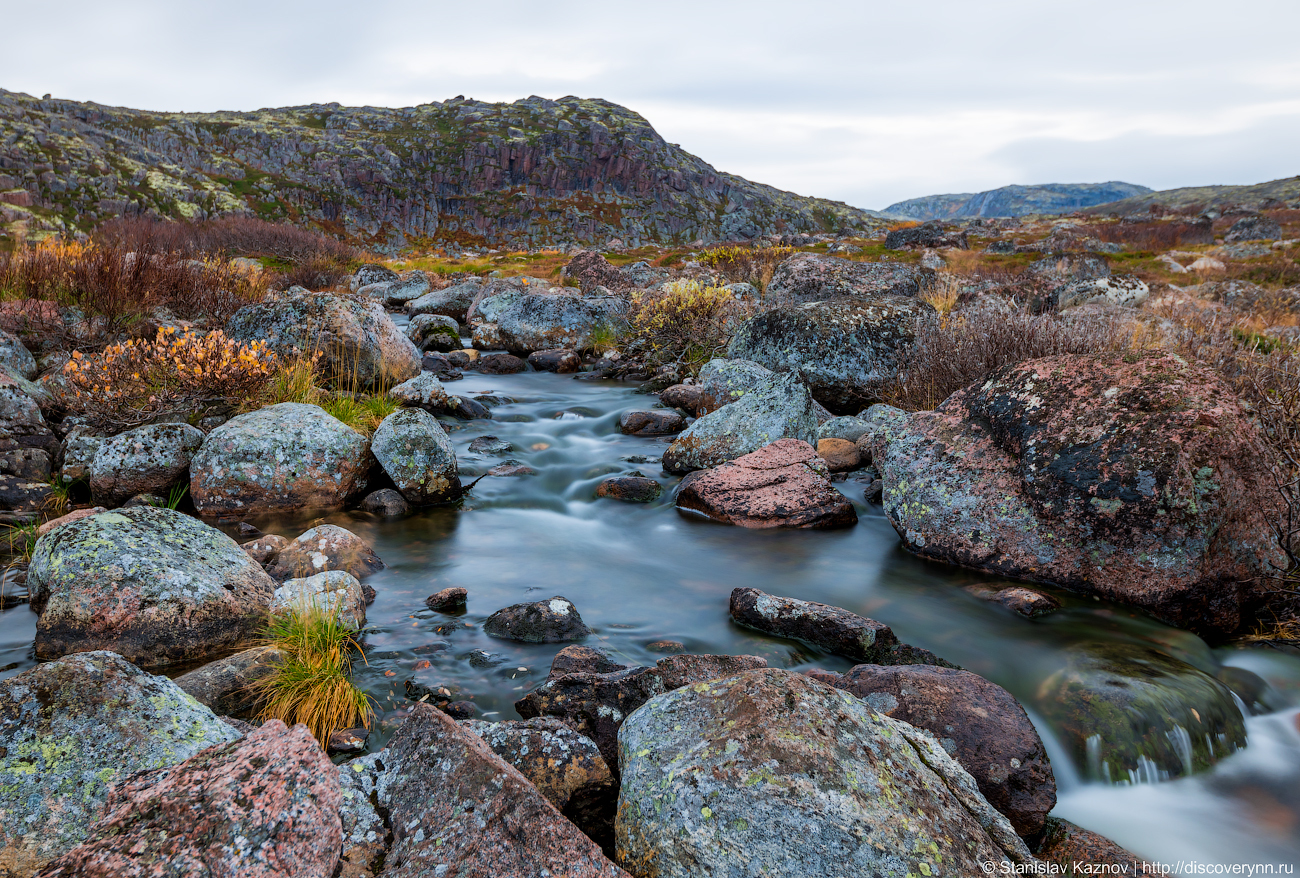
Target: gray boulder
79, 449
21, 423
487, 337
69, 730
360, 345
325, 547
537, 322
771, 773
423, 391
224, 685
372, 273
285, 457
15, 359
1253, 228
154, 585
409, 287
846, 350
334, 591
1125, 290
145, 460
434, 332
414, 450
453, 301
1071, 266
551, 621
847, 427
779, 408
809, 277
721, 382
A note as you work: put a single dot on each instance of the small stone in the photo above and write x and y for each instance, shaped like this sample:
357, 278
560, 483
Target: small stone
449, 599
500, 364
1025, 601
656, 422
511, 468
490, 445
459, 709
348, 740
551, 621
264, 549
630, 489
840, 455
334, 591
327, 547
386, 502
666, 646
559, 361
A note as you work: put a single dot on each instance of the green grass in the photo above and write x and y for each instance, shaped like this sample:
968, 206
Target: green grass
18, 541
313, 684
361, 413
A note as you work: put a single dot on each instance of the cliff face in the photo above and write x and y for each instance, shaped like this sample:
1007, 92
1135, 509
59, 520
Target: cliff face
532, 173
1047, 198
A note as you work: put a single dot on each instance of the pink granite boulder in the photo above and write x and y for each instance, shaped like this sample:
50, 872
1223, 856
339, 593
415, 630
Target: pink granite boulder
783, 484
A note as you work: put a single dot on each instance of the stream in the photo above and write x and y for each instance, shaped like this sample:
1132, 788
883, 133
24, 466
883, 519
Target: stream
641, 575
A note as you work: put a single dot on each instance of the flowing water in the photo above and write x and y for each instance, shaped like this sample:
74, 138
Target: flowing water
643, 574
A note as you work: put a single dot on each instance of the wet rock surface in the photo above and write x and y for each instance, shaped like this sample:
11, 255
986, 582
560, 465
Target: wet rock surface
413, 449
500, 364
630, 489
154, 585
447, 599
386, 502
326, 547
1065, 844
223, 685
562, 362
781, 485
654, 422
769, 772
550, 621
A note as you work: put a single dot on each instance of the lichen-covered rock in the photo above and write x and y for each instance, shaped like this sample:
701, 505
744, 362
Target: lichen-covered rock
1071, 266
781, 485
15, 359
543, 322
1253, 228
223, 685
589, 269
423, 391
720, 382
778, 408
550, 621
154, 585
74, 515
414, 450
595, 701
847, 427
142, 461
931, 234
1124, 290
561, 763
264, 549
453, 301
1127, 713
365, 835
266, 805
282, 458
359, 344
771, 773
69, 730
333, 591
561, 362
79, 449
434, 332
325, 547
810, 277
458, 809
846, 351
977, 722
21, 423
372, 273
500, 364
409, 287
1136, 478
828, 628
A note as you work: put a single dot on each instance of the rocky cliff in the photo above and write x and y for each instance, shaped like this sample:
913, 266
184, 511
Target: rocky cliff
532, 173
1047, 198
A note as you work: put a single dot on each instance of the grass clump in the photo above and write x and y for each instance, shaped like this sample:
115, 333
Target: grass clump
362, 413
313, 683
686, 323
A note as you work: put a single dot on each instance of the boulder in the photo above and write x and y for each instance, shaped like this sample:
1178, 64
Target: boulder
931, 234
779, 407
413, 448
453, 301
781, 485
434, 332
154, 585
264, 549
630, 489
69, 730
538, 322
978, 723
654, 422
1125, 290
1128, 714
409, 287
1070, 266
1136, 478
447, 600
847, 351
500, 364
386, 502
550, 621
487, 337
33, 464
769, 772
21, 423
459, 809
561, 361
15, 359
283, 458
595, 703
325, 547
722, 382
270, 798
333, 591
828, 628
588, 269
372, 273
360, 346
440, 366
847, 427
145, 460
223, 686
809, 277
1253, 228
423, 391
840, 455
565, 767
686, 397
25, 497
79, 450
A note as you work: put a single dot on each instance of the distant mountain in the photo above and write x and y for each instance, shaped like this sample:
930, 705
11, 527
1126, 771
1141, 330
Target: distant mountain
1048, 198
532, 173
1274, 193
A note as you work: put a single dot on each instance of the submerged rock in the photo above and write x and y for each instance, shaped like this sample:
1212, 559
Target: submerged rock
154, 585
769, 772
1065, 844
143, 461
551, 621
325, 547
780, 485
414, 450
69, 730
270, 798
1136, 478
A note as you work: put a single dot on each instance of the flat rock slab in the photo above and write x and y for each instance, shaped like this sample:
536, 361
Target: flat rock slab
781, 485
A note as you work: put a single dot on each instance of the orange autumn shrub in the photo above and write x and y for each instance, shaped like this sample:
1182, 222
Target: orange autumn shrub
177, 373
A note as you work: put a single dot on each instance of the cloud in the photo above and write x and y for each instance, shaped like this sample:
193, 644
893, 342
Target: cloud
868, 103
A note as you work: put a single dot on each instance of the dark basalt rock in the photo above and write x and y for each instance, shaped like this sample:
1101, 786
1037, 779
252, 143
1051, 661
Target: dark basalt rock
562, 362
386, 502
447, 600
931, 234
550, 621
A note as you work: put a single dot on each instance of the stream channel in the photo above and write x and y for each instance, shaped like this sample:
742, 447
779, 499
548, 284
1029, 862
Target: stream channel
641, 574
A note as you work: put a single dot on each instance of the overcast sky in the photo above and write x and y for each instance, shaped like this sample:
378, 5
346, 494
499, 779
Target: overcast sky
865, 102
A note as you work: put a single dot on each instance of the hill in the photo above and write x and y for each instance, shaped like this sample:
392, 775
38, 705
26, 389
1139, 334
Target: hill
1275, 193
531, 173
1047, 198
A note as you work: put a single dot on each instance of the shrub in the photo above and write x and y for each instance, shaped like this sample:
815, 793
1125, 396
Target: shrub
313, 684
686, 323
225, 237
742, 264
178, 373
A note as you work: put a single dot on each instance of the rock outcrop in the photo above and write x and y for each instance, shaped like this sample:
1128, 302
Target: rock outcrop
811, 277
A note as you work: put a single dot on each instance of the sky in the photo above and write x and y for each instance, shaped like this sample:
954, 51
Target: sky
863, 102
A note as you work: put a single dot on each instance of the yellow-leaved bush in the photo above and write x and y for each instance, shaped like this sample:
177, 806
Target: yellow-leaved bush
686, 323
184, 373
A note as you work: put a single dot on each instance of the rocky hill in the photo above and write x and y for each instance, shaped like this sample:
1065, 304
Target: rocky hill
1260, 196
532, 173
1047, 198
